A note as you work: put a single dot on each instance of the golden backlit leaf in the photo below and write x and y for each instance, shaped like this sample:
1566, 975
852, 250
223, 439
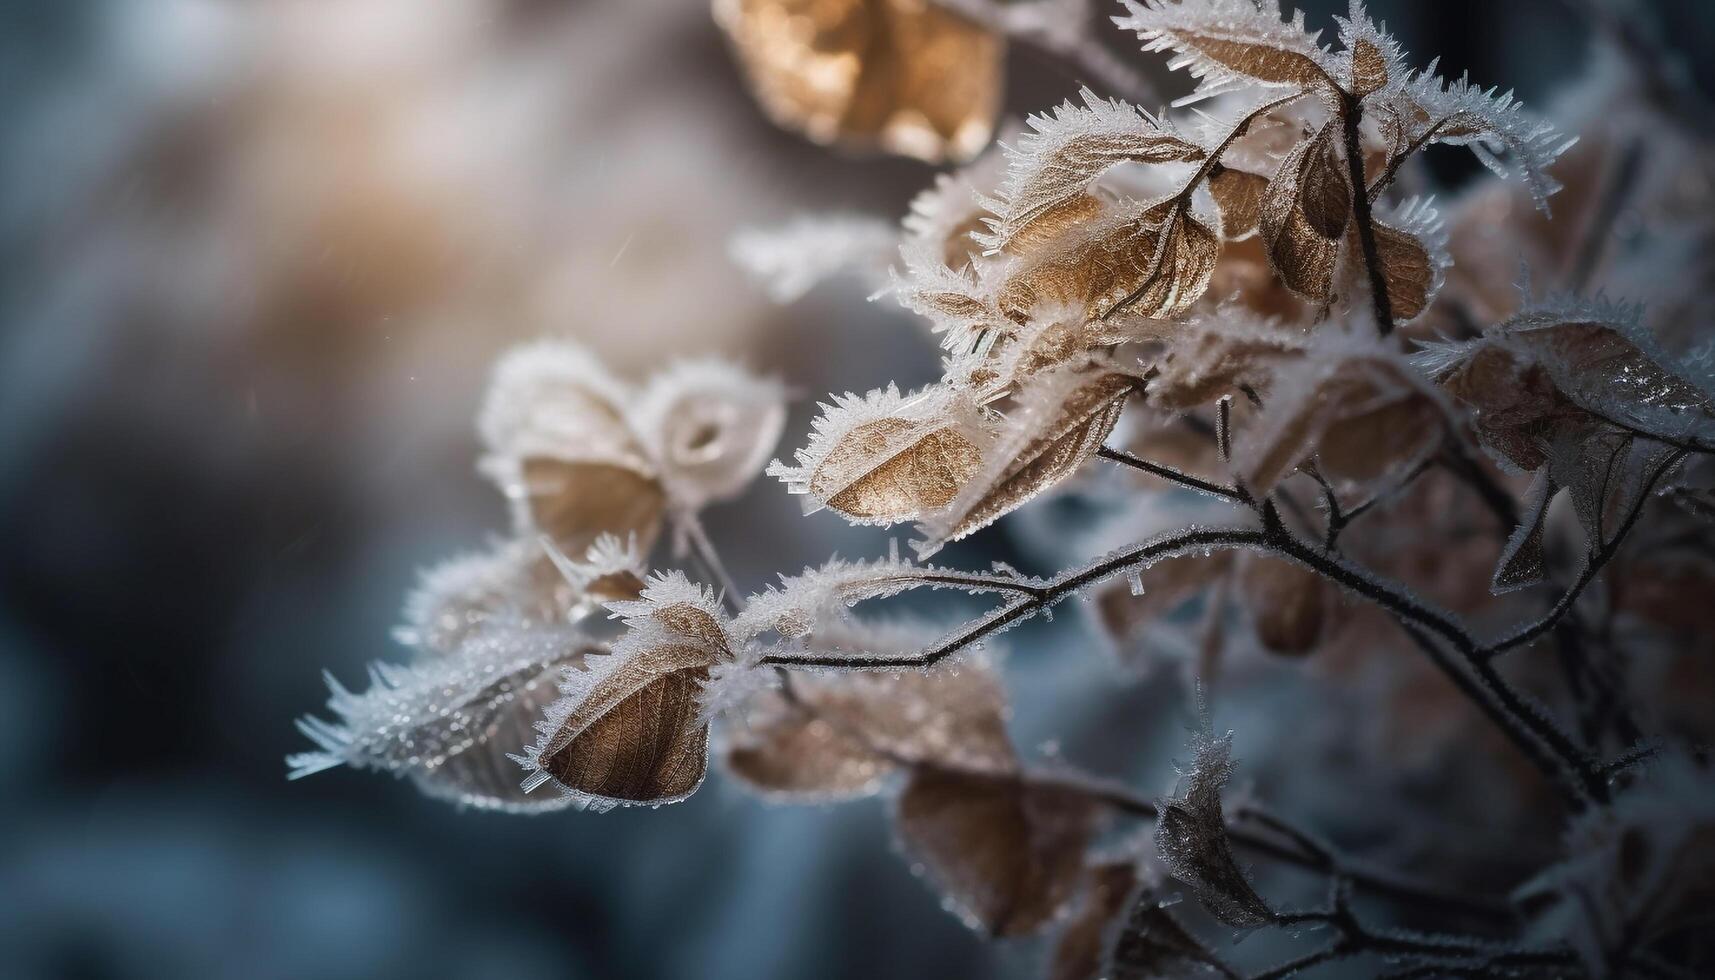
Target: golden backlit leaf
903, 75
1158, 262
1239, 196
1270, 63
1079, 953
574, 503
839, 736
923, 476
637, 736
1288, 603
1007, 854
1057, 441
1305, 210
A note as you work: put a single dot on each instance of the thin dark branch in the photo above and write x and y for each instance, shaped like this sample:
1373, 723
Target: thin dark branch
1169, 474
1379, 298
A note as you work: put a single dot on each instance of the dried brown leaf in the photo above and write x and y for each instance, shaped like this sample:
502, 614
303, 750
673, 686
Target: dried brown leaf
1369, 68
1064, 421
1305, 210
924, 476
1239, 196
1191, 839
907, 76
838, 737
1522, 563
1408, 268
1005, 852
637, 737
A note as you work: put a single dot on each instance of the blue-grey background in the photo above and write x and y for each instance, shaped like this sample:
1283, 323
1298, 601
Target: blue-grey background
255, 259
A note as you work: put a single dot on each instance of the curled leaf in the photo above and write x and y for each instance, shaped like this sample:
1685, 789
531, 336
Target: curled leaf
1191, 838
1521, 563
1305, 210
886, 458
1005, 852
1153, 944
631, 731
710, 426
906, 76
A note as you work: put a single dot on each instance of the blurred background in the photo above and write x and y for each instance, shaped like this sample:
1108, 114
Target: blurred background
255, 261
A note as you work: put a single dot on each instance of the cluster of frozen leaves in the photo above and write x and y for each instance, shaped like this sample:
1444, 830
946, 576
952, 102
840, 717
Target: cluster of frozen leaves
1217, 292
504, 652
1108, 257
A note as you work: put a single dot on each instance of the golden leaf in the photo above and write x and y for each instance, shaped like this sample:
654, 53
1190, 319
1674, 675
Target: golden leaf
636, 737
1079, 953
1239, 196
1068, 418
1157, 261
1288, 603
923, 476
1264, 62
904, 75
839, 736
1006, 853
1305, 210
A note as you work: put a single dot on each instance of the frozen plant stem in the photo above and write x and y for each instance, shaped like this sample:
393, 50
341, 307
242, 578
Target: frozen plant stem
1353, 117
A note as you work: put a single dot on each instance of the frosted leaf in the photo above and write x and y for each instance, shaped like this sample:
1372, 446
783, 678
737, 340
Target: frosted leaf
1521, 563
710, 426
1211, 355
1411, 247
885, 458
1152, 944
1238, 194
1496, 127
610, 570
1191, 837
1305, 210
1371, 59
1288, 603
456, 598
1228, 42
559, 446
1153, 259
1363, 411
1067, 150
800, 255
839, 735
1005, 853
1058, 421
450, 722
631, 731
1564, 365
906, 76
